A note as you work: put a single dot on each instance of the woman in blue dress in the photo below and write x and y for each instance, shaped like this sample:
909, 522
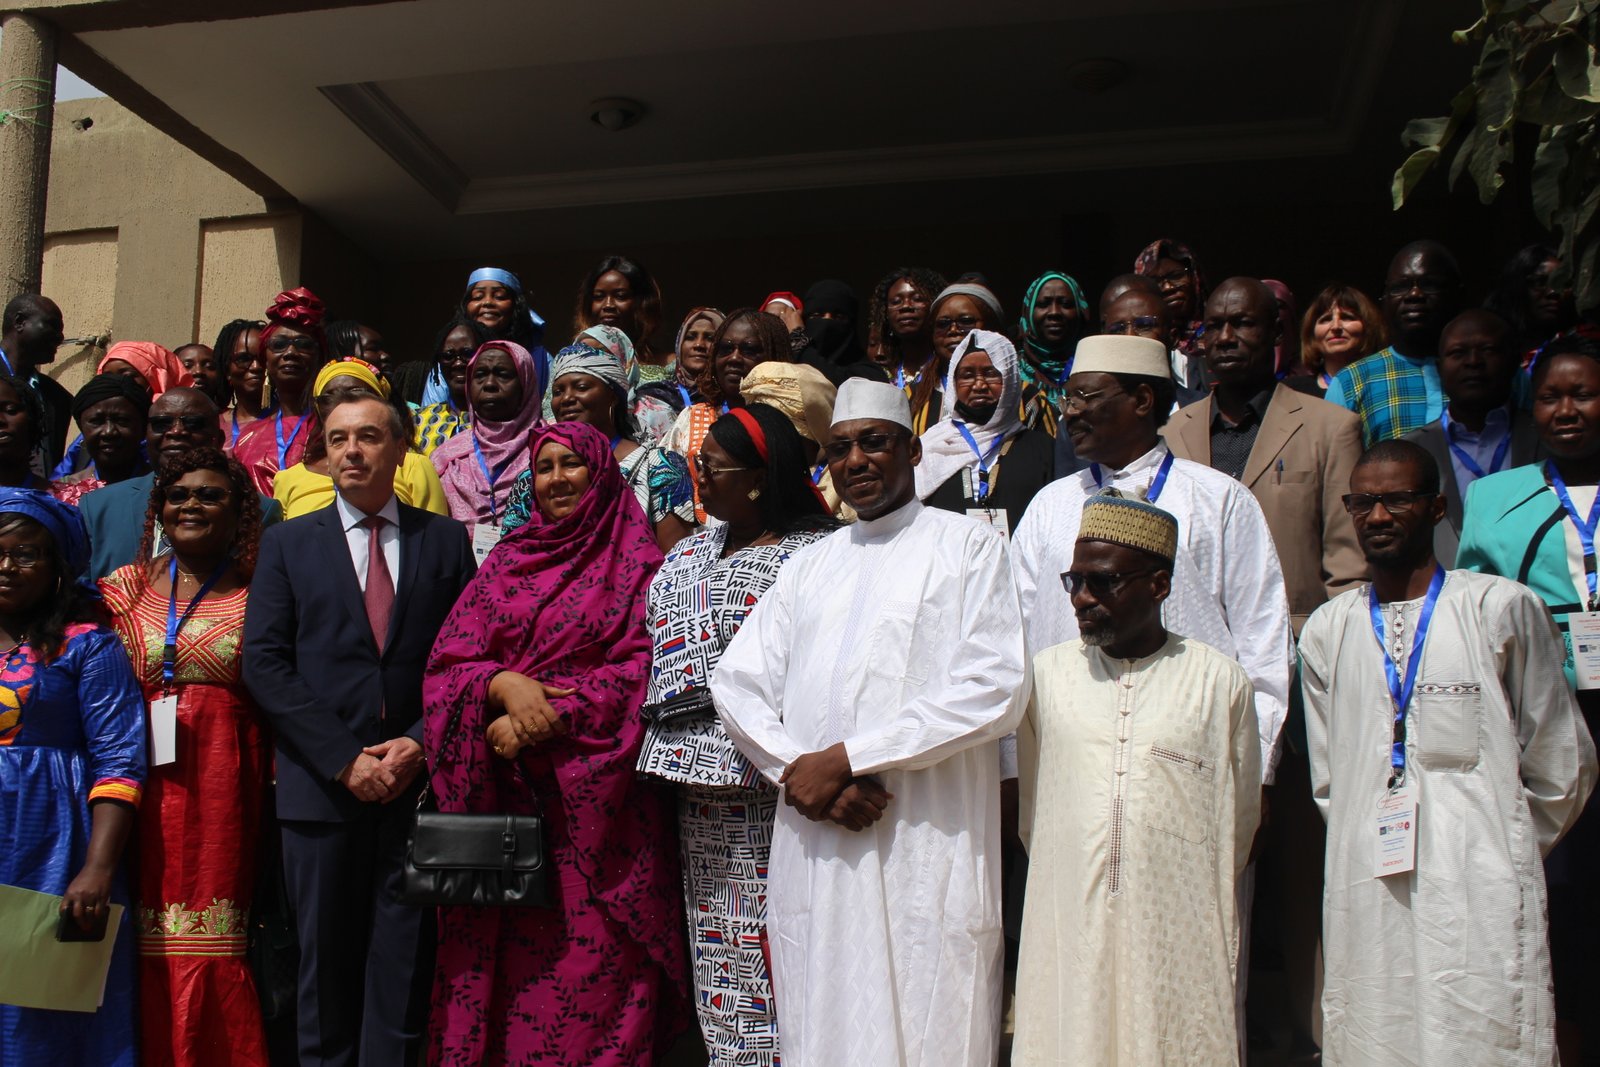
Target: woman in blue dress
72, 764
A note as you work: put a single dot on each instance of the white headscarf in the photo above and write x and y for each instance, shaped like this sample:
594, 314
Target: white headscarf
945, 451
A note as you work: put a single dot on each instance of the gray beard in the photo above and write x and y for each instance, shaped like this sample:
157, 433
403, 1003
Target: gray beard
1097, 635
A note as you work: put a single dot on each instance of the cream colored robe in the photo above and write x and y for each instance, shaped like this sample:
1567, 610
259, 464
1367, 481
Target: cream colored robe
1141, 792
1448, 965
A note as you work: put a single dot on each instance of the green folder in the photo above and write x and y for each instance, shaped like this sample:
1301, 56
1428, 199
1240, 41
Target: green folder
41, 972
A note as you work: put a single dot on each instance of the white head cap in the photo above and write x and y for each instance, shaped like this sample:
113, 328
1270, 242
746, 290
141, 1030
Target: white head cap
1112, 353
860, 398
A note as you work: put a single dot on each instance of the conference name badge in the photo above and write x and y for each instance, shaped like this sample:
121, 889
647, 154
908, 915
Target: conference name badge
1395, 846
484, 537
164, 730
1584, 629
993, 518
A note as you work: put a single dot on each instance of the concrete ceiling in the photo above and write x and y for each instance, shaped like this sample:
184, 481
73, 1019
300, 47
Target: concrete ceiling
447, 127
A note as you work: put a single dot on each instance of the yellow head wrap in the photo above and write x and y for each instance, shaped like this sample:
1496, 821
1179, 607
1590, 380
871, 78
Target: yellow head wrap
359, 369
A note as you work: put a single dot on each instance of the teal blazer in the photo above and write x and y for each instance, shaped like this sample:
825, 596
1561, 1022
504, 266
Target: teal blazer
1513, 528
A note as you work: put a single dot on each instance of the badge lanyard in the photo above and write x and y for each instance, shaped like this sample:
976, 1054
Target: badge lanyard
1586, 530
818, 471
169, 652
489, 478
1466, 460
1400, 690
688, 401
233, 442
1158, 483
277, 431
985, 461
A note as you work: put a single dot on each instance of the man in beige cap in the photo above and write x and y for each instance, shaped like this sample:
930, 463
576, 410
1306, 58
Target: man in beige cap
1140, 798
1227, 586
873, 684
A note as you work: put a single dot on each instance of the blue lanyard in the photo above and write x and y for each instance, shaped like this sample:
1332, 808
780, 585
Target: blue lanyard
818, 471
234, 441
7, 361
724, 407
1158, 483
1400, 690
985, 462
688, 401
1498, 461
489, 478
169, 653
277, 432
1586, 530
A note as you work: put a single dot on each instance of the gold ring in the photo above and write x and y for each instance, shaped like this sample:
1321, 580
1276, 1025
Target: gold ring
498, 751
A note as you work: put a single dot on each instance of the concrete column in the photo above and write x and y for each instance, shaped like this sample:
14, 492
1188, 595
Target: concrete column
27, 109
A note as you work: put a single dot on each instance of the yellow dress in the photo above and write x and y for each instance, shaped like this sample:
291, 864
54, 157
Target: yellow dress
301, 491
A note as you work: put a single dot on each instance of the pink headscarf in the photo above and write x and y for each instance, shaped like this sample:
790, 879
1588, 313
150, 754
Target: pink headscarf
564, 601
159, 367
502, 446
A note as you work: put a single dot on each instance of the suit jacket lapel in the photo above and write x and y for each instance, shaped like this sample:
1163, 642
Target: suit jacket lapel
346, 584
1194, 430
1277, 426
412, 531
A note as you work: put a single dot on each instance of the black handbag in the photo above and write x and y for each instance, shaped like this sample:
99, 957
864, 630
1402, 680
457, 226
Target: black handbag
688, 704
482, 861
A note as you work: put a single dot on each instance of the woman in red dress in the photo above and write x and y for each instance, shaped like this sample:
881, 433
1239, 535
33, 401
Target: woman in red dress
201, 819
295, 349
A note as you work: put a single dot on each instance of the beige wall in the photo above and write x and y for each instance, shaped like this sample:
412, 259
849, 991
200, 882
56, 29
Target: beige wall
145, 241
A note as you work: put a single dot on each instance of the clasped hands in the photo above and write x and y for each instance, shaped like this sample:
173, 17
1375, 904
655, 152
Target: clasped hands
821, 786
528, 719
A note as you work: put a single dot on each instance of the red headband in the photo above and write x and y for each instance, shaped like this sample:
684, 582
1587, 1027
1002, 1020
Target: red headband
748, 421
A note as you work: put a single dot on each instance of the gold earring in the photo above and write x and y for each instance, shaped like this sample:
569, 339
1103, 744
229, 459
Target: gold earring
755, 494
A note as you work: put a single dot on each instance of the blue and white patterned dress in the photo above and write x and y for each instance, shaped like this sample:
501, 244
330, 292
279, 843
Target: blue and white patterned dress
698, 601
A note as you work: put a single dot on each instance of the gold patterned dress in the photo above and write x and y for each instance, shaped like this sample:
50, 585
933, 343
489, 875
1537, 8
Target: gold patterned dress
199, 829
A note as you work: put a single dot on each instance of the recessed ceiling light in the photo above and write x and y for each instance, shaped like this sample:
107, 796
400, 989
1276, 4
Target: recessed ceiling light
616, 113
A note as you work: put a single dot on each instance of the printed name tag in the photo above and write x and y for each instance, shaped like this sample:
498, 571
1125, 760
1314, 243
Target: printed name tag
994, 519
484, 538
1395, 847
1584, 629
163, 731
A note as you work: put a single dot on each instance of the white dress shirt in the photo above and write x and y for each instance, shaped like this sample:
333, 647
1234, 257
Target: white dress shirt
356, 536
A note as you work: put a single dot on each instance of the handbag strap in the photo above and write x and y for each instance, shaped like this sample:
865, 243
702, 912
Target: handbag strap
449, 733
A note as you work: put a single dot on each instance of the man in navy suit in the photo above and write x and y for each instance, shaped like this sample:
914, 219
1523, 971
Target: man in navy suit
180, 419
343, 611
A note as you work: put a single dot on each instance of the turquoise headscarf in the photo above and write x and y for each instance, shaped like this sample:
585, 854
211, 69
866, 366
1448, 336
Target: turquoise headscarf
1044, 361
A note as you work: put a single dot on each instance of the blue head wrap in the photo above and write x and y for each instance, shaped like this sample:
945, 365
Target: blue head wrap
63, 522
510, 281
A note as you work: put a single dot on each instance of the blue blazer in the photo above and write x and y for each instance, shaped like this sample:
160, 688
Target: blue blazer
310, 660
1513, 527
115, 517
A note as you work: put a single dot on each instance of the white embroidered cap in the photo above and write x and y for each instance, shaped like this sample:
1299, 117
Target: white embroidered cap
860, 398
1112, 353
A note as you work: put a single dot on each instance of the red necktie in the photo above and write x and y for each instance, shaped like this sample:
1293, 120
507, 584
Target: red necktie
379, 594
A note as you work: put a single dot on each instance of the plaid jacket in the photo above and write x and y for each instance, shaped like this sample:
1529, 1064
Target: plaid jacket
1393, 394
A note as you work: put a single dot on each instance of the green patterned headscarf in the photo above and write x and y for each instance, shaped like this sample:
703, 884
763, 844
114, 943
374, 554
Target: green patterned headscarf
1043, 360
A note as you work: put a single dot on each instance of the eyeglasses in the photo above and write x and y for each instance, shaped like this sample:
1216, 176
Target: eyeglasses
871, 443
191, 423
973, 374
1393, 503
24, 556
967, 323
1099, 583
208, 495
456, 355
1137, 324
280, 344
747, 349
708, 471
1430, 286
1079, 399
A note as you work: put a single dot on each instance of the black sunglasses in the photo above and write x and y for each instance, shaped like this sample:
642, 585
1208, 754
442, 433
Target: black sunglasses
1100, 583
205, 494
191, 423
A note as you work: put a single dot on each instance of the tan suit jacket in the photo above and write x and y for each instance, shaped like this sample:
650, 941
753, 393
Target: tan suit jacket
1299, 469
